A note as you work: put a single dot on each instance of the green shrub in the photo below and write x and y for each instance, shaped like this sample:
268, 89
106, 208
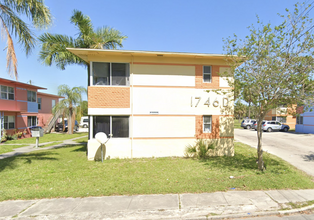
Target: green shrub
200, 149
3, 136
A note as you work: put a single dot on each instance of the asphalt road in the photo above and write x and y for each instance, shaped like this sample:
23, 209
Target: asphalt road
297, 149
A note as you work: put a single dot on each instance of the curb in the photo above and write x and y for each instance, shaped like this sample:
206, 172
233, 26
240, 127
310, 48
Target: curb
253, 215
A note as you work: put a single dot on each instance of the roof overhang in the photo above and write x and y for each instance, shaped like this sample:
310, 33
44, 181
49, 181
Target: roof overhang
50, 95
24, 85
84, 54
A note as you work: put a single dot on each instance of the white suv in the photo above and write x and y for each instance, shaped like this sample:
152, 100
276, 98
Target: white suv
274, 126
247, 123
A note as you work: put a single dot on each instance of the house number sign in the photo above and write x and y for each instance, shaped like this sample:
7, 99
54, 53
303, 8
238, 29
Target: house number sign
195, 101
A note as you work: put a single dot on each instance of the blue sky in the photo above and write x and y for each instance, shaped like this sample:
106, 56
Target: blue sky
196, 26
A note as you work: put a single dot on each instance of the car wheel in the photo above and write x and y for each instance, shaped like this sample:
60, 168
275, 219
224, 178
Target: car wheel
269, 129
285, 129
84, 126
248, 127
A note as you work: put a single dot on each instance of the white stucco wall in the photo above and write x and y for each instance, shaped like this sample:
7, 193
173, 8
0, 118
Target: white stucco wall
178, 101
163, 75
163, 126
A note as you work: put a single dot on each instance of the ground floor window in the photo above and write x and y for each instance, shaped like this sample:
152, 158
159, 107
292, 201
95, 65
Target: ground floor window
9, 122
207, 124
300, 120
118, 126
31, 121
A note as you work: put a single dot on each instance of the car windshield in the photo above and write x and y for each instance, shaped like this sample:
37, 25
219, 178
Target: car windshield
263, 122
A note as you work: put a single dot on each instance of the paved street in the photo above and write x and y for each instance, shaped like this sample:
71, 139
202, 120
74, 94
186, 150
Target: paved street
297, 149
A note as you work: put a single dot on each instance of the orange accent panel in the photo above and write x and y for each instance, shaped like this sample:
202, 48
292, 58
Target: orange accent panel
108, 97
199, 128
199, 84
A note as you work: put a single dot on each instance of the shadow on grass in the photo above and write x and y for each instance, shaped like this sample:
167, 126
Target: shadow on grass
12, 162
81, 149
244, 162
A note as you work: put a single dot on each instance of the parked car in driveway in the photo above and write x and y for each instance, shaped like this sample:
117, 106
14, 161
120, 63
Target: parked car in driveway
59, 126
247, 123
254, 126
84, 122
274, 126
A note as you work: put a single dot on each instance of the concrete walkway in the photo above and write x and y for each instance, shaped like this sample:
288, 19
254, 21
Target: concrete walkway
218, 205
32, 147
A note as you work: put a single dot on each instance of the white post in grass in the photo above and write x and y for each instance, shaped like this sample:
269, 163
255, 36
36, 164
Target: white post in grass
101, 137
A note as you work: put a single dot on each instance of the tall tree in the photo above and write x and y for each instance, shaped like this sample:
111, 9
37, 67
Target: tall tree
13, 25
276, 62
239, 110
72, 97
53, 49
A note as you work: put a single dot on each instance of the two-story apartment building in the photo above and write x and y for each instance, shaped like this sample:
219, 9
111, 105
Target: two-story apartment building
22, 106
154, 104
283, 114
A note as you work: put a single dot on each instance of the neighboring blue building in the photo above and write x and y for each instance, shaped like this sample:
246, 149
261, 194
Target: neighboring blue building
305, 122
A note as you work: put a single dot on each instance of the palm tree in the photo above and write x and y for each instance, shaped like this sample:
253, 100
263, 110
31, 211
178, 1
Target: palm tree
67, 106
12, 24
53, 49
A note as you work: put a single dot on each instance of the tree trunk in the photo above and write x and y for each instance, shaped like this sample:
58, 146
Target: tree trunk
70, 129
249, 109
63, 127
261, 166
73, 122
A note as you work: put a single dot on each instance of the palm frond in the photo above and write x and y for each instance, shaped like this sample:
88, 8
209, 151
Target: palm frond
11, 56
83, 23
53, 50
107, 38
32, 9
18, 28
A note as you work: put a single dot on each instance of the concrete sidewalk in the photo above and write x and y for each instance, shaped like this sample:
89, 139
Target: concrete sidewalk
218, 205
32, 147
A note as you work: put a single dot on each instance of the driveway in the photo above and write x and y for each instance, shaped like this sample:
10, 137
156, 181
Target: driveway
297, 149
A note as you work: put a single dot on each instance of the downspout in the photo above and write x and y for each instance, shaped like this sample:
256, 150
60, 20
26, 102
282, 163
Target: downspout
132, 114
1, 124
90, 82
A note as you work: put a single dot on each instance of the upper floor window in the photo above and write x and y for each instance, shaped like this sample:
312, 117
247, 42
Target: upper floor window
9, 122
7, 92
114, 74
31, 96
39, 103
53, 103
207, 74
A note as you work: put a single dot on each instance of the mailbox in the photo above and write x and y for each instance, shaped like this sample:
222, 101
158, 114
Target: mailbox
37, 132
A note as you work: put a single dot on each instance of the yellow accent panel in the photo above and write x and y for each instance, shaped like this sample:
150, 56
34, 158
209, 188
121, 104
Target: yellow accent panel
164, 70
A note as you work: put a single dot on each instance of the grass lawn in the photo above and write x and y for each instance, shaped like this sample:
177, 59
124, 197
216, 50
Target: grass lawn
237, 124
52, 137
65, 172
